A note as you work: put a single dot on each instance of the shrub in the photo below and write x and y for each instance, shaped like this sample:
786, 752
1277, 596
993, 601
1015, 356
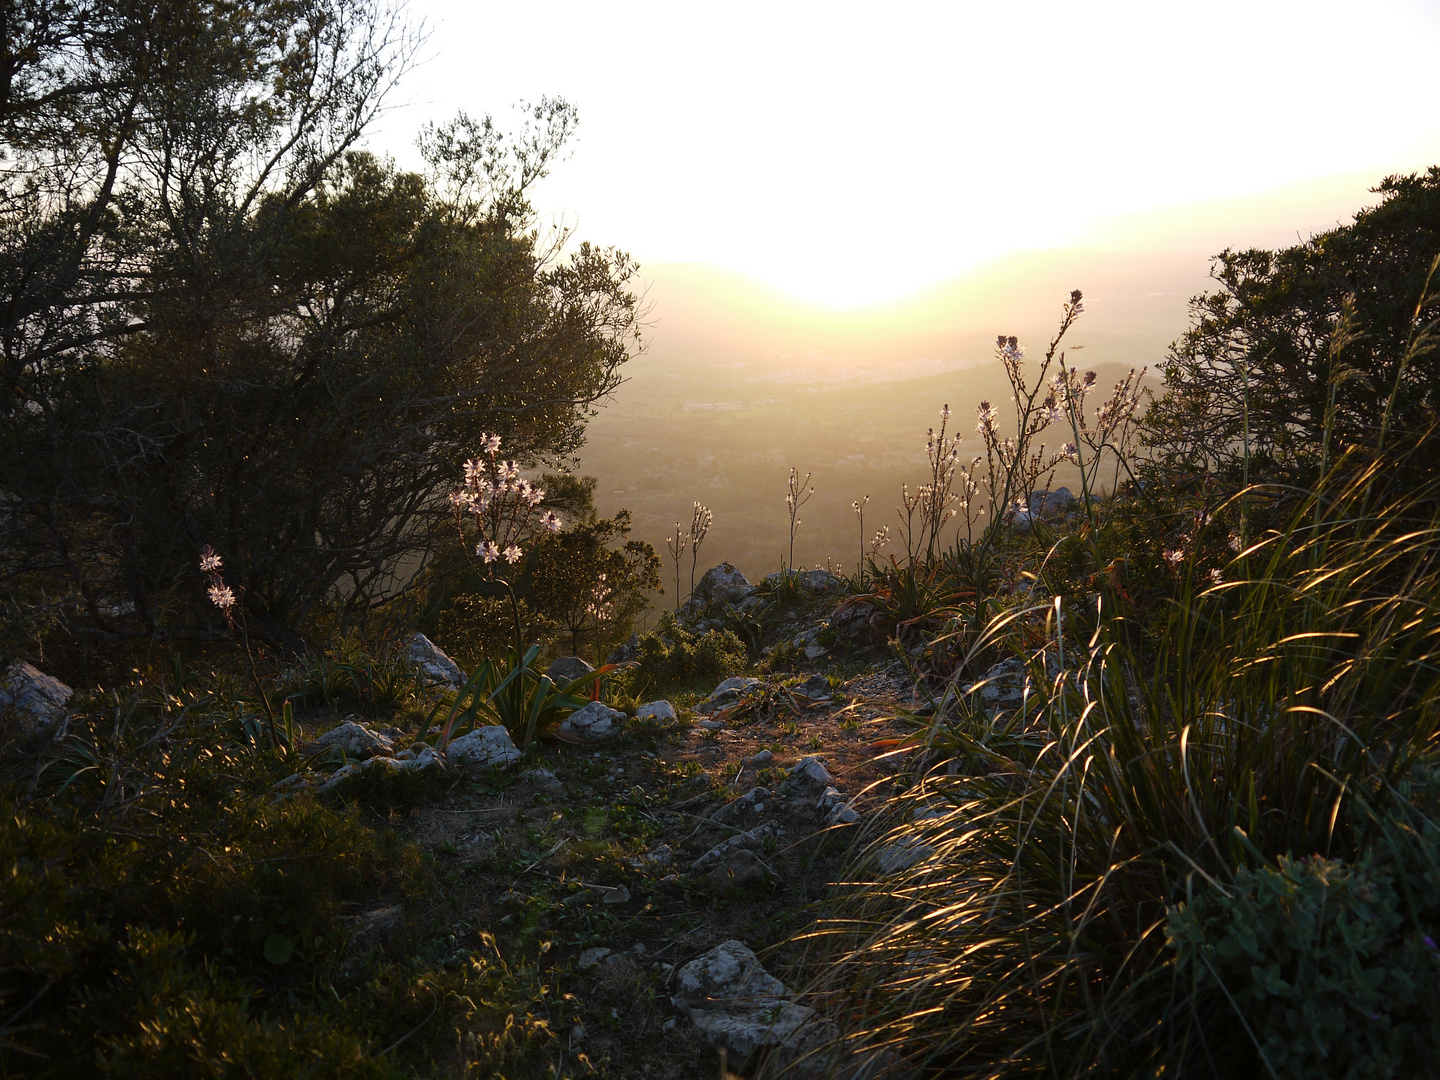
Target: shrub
672, 654
1328, 965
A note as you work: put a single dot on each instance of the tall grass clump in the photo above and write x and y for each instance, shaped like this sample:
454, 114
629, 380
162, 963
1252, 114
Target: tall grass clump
1207, 846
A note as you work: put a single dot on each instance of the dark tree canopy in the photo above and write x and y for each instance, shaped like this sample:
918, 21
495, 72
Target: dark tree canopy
223, 324
1267, 339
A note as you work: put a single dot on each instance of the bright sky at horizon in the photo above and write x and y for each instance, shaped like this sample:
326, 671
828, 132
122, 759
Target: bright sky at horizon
852, 154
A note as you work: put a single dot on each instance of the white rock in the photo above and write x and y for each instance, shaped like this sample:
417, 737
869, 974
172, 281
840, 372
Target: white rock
661, 711
724, 583
338, 777
808, 779
729, 974
432, 661
594, 723
753, 840
727, 693
484, 748
738, 1004
357, 740
35, 700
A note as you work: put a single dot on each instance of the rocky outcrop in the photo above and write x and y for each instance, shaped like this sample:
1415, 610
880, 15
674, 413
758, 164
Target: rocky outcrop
730, 997
432, 661
31, 700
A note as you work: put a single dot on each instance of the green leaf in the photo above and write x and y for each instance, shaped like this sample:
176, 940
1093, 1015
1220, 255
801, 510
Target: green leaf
278, 949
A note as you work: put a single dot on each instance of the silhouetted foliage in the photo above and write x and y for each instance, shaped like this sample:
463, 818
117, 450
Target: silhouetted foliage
236, 329
1263, 351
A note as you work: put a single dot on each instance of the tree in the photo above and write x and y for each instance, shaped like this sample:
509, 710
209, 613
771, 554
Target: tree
257, 336
593, 591
1267, 366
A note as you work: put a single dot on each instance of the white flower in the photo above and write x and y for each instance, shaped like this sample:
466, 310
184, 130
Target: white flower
1216, 578
488, 550
1174, 557
491, 443
222, 597
512, 554
209, 561
509, 470
550, 521
474, 469
1069, 451
1234, 542
536, 495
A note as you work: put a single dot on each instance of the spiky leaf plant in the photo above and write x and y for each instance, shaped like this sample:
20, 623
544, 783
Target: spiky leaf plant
1027, 915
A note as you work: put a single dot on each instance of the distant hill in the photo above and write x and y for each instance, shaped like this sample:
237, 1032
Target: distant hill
738, 384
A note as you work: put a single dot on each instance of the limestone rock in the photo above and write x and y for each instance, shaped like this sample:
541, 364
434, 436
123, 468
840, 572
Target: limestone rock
723, 584
432, 661
1004, 684
596, 722
740, 812
34, 700
543, 780
626, 653
727, 693
816, 688
902, 854
659, 711
567, 669
807, 780
753, 840
356, 739
485, 748
739, 1005
729, 974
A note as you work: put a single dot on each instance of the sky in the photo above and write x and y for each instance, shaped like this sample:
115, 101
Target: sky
856, 154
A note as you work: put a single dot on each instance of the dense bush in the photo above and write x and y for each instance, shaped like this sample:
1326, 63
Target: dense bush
672, 654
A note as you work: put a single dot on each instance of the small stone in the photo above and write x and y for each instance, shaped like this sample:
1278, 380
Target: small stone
816, 688
487, 747
764, 757
596, 722
590, 957
618, 895
741, 869
338, 778
659, 711
710, 725
543, 780
739, 812
808, 779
